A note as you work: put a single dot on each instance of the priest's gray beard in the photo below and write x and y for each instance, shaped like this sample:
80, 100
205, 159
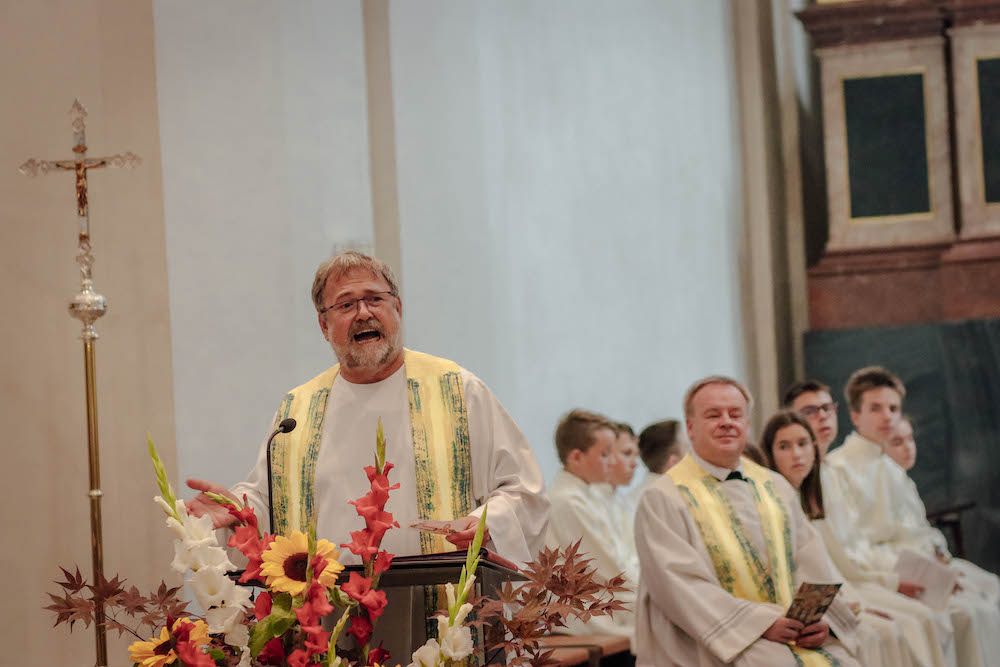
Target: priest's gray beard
368, 355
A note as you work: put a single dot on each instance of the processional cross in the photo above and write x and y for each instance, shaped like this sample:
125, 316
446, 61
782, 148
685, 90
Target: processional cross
87, 306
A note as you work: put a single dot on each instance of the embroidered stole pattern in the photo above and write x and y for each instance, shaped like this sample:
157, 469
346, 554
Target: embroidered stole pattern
741, 570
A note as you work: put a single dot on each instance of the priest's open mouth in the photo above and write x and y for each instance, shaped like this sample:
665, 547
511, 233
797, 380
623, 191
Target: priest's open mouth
366, 336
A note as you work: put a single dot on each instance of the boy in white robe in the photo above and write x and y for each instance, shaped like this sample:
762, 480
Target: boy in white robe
902, 448
723, 545
876, 488
661, 445
579, 510
621, 503
928, 633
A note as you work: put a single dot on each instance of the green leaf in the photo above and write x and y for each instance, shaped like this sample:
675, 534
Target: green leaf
260, 634
216, 654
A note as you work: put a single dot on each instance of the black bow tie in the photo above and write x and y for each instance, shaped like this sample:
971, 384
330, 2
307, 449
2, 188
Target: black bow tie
736, 475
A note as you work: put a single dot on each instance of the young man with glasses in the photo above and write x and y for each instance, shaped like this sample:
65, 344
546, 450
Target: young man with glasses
452, 444
812, 400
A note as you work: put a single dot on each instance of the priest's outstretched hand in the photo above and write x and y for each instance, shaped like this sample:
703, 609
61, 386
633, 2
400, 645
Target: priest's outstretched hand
201, 504
465, 532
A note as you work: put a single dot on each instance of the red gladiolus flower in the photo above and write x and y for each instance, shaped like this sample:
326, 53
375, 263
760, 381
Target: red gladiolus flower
307, 615
382, 562
362, 544
360, 588
318, 597
254, 562
192, 655
262, 607
361, 628
298, 658
273, 653
317, 640
245, 516
378, 656
245, 539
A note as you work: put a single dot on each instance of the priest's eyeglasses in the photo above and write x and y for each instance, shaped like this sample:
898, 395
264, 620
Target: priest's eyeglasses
810, 411
373, 301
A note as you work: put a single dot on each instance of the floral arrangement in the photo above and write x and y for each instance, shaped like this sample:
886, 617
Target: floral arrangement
283, 626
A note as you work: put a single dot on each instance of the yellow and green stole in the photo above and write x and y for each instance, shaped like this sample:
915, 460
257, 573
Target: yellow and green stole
440, 428
741, 570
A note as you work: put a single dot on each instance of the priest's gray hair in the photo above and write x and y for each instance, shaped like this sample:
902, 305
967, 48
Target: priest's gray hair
713, 379
343, 263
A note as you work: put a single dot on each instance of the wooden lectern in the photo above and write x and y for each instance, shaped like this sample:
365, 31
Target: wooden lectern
403, 626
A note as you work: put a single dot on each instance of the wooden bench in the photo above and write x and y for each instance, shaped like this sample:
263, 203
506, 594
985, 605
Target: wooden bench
590, 650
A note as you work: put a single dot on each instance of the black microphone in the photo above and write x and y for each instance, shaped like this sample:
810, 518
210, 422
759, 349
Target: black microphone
286, 426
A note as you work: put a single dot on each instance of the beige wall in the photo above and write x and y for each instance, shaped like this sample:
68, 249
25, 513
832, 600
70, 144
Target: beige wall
102, 52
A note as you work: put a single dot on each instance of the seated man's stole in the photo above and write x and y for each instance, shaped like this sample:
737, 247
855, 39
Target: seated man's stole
440, 427
741, 571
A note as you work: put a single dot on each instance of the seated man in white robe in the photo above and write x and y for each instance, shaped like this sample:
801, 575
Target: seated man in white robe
580, 511
453, 445
876, 490
928, 632
723, 546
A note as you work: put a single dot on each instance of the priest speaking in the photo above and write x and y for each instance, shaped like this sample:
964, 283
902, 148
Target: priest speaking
453, 445
723, 545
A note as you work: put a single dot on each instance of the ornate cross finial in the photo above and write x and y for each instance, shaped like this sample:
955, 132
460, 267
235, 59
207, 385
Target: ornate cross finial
81, 163
88, 305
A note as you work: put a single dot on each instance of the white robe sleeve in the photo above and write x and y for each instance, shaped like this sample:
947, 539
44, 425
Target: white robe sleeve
679, 580
506, 474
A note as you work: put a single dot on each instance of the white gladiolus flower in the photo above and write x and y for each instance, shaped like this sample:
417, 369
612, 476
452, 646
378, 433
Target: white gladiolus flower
449, 590
428, 655
228, 620
468, 586
212, 588
164, 504
463, 611
197, 556
456, 640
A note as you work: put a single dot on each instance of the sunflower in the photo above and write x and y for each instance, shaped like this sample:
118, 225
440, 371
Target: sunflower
162, 651
286, 560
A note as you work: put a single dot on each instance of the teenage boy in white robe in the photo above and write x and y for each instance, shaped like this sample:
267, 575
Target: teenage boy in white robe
723, 546
876, 488
928, 632
579, 510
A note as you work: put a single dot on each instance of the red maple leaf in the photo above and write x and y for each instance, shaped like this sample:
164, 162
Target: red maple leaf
74, 582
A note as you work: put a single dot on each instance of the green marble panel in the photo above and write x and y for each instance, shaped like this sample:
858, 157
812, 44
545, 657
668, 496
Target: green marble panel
988, 71
886, 145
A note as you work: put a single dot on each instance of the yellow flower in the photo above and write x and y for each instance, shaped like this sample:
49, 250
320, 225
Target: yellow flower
159, 652
285, 562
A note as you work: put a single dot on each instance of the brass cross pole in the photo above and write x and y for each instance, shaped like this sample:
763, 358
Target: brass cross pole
87, 306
